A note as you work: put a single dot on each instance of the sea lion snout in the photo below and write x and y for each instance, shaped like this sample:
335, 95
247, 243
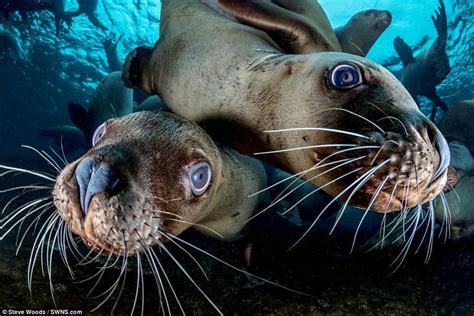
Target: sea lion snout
93, 178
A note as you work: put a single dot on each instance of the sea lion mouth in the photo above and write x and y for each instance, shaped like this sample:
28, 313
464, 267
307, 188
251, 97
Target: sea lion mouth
394, 172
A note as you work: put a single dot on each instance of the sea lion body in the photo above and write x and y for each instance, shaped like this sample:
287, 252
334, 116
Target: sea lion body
237, 82
458, 123
359, 34
67, 137
421, 74
111, 99
151, 156
87, 7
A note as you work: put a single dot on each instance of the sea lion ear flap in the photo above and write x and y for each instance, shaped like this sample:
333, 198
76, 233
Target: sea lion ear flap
134, 66
291, 31
78, 115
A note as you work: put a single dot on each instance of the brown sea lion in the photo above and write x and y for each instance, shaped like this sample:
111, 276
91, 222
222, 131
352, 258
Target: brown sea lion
232, 73
359, 34
421, 74
153, 174
458, 123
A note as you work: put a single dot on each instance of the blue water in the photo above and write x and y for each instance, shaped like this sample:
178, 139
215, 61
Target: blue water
54, 70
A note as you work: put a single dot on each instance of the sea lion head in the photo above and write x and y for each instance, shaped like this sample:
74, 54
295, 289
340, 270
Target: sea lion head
360, 33
356, 112
148, 174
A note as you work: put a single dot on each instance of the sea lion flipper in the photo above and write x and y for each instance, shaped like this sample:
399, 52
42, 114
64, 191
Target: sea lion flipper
403, 50
134, 66
78, 115
440, 22
290, 30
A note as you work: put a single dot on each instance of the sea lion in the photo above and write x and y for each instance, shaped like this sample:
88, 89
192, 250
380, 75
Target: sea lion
153, 174
7, 7
359, 34
231, 73
88, 8
458, 123
67, 137
421, 74
153, 103
110, 47
110, 99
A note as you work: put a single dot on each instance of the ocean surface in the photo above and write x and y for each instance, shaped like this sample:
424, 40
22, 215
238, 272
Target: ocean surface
48, 70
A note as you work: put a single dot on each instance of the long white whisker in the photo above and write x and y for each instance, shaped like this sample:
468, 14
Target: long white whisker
322, 129
302, 148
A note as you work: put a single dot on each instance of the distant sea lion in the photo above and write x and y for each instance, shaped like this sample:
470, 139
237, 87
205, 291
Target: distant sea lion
458, 123
67, 137
421, 74
153, 103
153, 174
359, 34
110, 47
111, 99
233, 75
7, 7
88, 8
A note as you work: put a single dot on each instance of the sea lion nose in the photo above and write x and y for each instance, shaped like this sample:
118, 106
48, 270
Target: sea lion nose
94, 177
442, 147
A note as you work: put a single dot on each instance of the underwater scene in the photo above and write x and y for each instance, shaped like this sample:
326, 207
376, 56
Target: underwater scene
246, 157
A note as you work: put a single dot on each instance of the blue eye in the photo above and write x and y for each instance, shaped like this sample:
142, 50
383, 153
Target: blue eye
345, 76
200, 177
99, 133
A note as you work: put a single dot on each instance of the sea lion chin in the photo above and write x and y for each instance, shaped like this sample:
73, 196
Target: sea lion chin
152, 175
337, 120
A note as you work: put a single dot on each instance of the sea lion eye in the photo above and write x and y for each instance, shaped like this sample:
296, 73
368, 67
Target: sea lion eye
345, 76
200, 177
99, 133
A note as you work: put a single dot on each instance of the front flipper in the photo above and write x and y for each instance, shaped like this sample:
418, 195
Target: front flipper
403, 50
291, 31
440, 22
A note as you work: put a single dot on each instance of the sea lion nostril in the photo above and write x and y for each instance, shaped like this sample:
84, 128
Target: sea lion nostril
94, 177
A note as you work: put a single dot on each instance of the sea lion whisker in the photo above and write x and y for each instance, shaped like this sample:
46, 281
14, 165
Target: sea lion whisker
19, 244
192, 224
63, 249
167, 201
447, 213
425, 232
371, 171
31, 204
25, 187
73, 245
21, 209
113, 287
35, 249
323, 129
296, 176
404, 251
62, 151
357, 115
54, 162
168, 213
157, 277
165, 275
30, 212
170, 236
302, 148
374, 197
34, 173
100, 271
83, 262
278, 199
361, 181
138, 282
192, 257
318, 165
121, 289
61, 159
49, 257
398, 120
46, 157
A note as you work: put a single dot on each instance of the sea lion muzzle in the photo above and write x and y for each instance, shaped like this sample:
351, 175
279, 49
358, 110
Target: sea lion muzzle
94, 177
